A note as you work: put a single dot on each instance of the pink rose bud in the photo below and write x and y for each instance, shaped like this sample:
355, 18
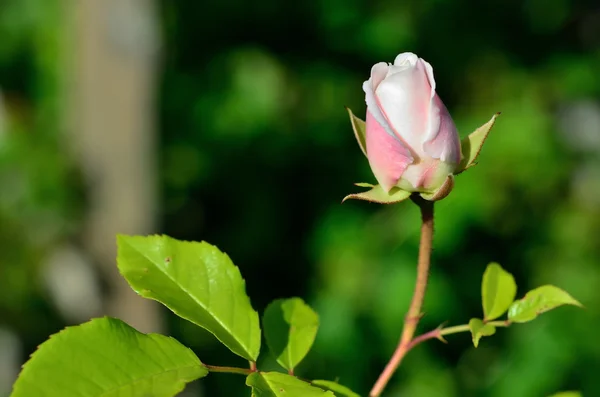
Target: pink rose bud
411, 140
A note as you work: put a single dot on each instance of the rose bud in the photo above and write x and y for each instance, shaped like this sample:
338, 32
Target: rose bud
409, 138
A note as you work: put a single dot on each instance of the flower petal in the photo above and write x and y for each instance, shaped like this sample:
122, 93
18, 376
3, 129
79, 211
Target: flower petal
387, 156
444, 142
430, 77
370, 96
404, 98
378, 72
406, 58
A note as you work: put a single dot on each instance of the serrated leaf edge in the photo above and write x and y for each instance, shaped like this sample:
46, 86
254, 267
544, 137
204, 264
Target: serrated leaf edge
123, 238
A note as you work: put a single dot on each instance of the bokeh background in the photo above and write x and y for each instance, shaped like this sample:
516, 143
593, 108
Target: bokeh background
224, 121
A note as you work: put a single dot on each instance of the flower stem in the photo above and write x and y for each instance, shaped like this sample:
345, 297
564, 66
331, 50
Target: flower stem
229, 370
414, 312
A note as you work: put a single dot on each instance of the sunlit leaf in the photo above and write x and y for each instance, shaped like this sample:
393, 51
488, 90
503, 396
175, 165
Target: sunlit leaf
290, 328
276, 384
472, 144
378, 195
339, 390
567, 394
498, 291
106, 357
538, 301
359, 128
479, 328
197, 282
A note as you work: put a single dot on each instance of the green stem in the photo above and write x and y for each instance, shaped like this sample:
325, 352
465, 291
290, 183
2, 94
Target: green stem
438, 333
499, 323
465, 327
414, 312
229, 370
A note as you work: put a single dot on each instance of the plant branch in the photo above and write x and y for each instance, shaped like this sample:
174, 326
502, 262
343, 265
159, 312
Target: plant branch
414, 312
439, 333
229, 370
465, 327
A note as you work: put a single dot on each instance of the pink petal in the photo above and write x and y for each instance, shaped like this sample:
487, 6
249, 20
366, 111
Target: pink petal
444, 143
378, 73
387, 156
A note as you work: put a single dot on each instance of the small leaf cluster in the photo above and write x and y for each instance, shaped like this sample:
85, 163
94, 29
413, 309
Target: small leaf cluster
106, 357
498, 292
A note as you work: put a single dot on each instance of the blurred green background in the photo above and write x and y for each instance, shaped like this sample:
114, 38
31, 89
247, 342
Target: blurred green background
224, 121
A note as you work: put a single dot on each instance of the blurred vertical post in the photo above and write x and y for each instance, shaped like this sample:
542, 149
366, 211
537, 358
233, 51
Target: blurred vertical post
111, 84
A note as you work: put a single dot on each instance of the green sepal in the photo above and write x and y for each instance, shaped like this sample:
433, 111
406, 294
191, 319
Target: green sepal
442, 191
471, 145
378, 195
360, 129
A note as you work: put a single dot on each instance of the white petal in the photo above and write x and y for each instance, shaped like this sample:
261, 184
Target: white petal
406, 58
379, 71
429, 71
399, 68
373, 107
405, 99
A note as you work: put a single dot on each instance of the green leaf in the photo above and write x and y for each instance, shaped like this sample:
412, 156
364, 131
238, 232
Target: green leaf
360, 129
276, 384
538, 301
106, 357
197, 282
339, 390
471, 145
378, 195
290, 327
479, 328
498, 291
567, 394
